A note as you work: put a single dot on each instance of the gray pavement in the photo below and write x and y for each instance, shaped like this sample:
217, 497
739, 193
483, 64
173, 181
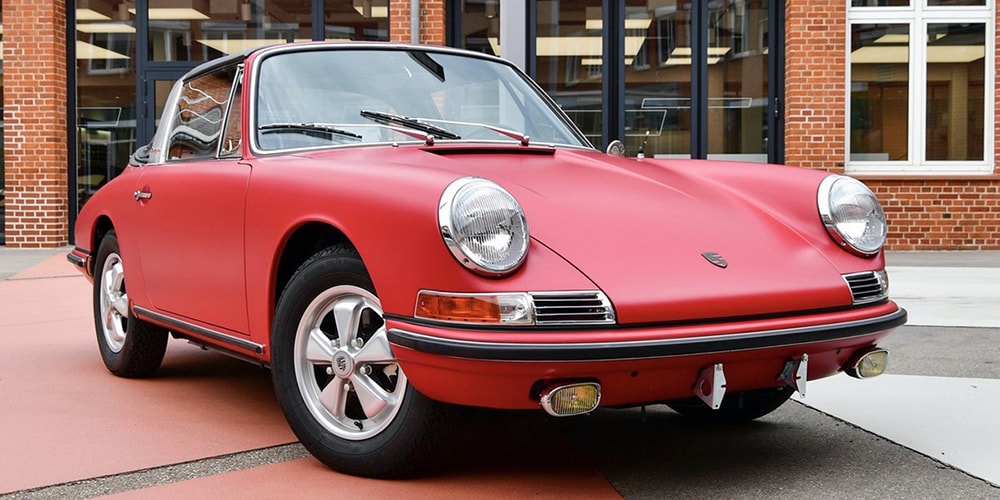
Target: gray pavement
15, 260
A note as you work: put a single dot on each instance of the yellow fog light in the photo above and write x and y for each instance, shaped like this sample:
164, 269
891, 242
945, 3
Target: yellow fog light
574, 399
869, 363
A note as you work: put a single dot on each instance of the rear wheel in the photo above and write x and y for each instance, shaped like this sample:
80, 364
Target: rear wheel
129, 346
736, 407
336, 378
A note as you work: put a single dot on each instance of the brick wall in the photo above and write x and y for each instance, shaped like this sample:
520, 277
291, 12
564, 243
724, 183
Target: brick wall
432, 27
925, 213
35, 153
815, 64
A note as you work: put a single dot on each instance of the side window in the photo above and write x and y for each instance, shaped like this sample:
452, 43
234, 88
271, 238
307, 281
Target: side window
198, 120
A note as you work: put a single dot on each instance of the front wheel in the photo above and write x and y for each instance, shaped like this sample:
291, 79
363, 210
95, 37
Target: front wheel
129, 346
336, 378
736, 407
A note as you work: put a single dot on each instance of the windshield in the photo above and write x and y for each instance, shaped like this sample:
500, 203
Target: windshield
321, 98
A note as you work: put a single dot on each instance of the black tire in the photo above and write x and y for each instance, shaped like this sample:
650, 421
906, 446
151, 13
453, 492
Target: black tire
736, 407
338, 383
130, 347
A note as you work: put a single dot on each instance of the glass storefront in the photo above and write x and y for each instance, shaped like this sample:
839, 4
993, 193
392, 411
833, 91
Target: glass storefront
738, 80
569, 59
118, 67
658, 79
661, 56
478, 23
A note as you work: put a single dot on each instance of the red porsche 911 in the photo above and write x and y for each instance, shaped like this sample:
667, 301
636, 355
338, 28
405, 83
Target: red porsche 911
395, 230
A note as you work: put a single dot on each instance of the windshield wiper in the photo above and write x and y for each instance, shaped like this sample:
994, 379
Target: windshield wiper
405, 121
309, 127
519, 136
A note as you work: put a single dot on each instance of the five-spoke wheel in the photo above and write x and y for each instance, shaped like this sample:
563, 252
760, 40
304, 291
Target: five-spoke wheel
129, 346
336, 378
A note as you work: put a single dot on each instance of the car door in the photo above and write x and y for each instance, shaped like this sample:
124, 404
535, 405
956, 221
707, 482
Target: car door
192, 211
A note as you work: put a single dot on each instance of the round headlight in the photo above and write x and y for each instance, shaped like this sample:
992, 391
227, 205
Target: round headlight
483, 226
852, 214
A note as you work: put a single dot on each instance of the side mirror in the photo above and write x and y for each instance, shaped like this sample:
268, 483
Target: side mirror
616, 148
140, 156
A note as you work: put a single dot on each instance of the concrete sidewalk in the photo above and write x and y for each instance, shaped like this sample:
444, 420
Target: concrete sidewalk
947, 288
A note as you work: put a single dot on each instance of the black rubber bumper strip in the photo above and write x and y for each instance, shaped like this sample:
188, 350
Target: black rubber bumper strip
609, 351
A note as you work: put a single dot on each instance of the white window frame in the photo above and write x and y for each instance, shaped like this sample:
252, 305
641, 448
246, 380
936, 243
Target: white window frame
918, 16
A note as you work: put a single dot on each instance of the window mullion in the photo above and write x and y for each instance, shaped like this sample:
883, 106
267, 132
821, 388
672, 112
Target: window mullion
918, 93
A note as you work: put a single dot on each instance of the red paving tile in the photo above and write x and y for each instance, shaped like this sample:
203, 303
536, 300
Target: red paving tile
64, 418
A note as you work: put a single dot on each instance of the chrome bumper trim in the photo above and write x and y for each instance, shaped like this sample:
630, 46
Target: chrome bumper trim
607, 351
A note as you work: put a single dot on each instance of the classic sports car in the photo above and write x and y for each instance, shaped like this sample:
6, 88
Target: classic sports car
395, 230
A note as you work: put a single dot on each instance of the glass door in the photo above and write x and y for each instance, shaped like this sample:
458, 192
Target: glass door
156, 89
738, 80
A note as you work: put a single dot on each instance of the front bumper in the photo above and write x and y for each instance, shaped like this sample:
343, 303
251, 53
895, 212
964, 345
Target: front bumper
633, 365
81, 259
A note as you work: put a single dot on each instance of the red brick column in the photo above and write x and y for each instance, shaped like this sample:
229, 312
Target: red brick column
815, 79
432, 28
35, 156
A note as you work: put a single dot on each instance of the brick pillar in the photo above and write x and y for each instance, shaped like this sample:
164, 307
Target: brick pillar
35, 152
815, 83
432, 28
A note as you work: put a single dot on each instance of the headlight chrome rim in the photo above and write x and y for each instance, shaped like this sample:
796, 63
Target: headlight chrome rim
491, 200
834, 190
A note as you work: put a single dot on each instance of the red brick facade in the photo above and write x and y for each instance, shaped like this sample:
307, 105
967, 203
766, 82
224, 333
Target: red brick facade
35, 151
932, 212
432, 28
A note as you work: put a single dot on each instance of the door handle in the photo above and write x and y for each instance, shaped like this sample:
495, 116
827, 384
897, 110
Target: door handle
142, 195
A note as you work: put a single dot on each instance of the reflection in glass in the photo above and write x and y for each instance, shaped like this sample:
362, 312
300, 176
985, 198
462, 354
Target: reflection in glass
879, 92
106, 99
737, 81
955, 91
569, 60
658, 79
480, 22
201, 30
356, 20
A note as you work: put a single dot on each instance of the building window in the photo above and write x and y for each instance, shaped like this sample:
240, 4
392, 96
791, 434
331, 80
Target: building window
918, 85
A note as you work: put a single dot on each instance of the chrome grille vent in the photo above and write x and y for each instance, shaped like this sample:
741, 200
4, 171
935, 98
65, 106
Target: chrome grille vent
869, 286
572, 308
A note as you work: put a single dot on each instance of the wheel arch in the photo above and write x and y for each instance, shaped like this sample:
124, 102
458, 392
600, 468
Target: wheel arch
101, 227
301, 244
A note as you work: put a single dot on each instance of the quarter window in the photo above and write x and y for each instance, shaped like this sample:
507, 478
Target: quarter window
196, 125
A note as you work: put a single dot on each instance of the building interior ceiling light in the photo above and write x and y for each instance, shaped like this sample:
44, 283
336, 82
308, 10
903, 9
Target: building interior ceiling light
371, 9
87, 14
86, 50
630, 24
174, 14
103, 27
900, 54
712, 51
232, 46
176, 10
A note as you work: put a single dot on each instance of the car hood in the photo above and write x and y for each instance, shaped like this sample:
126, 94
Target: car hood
671, 241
